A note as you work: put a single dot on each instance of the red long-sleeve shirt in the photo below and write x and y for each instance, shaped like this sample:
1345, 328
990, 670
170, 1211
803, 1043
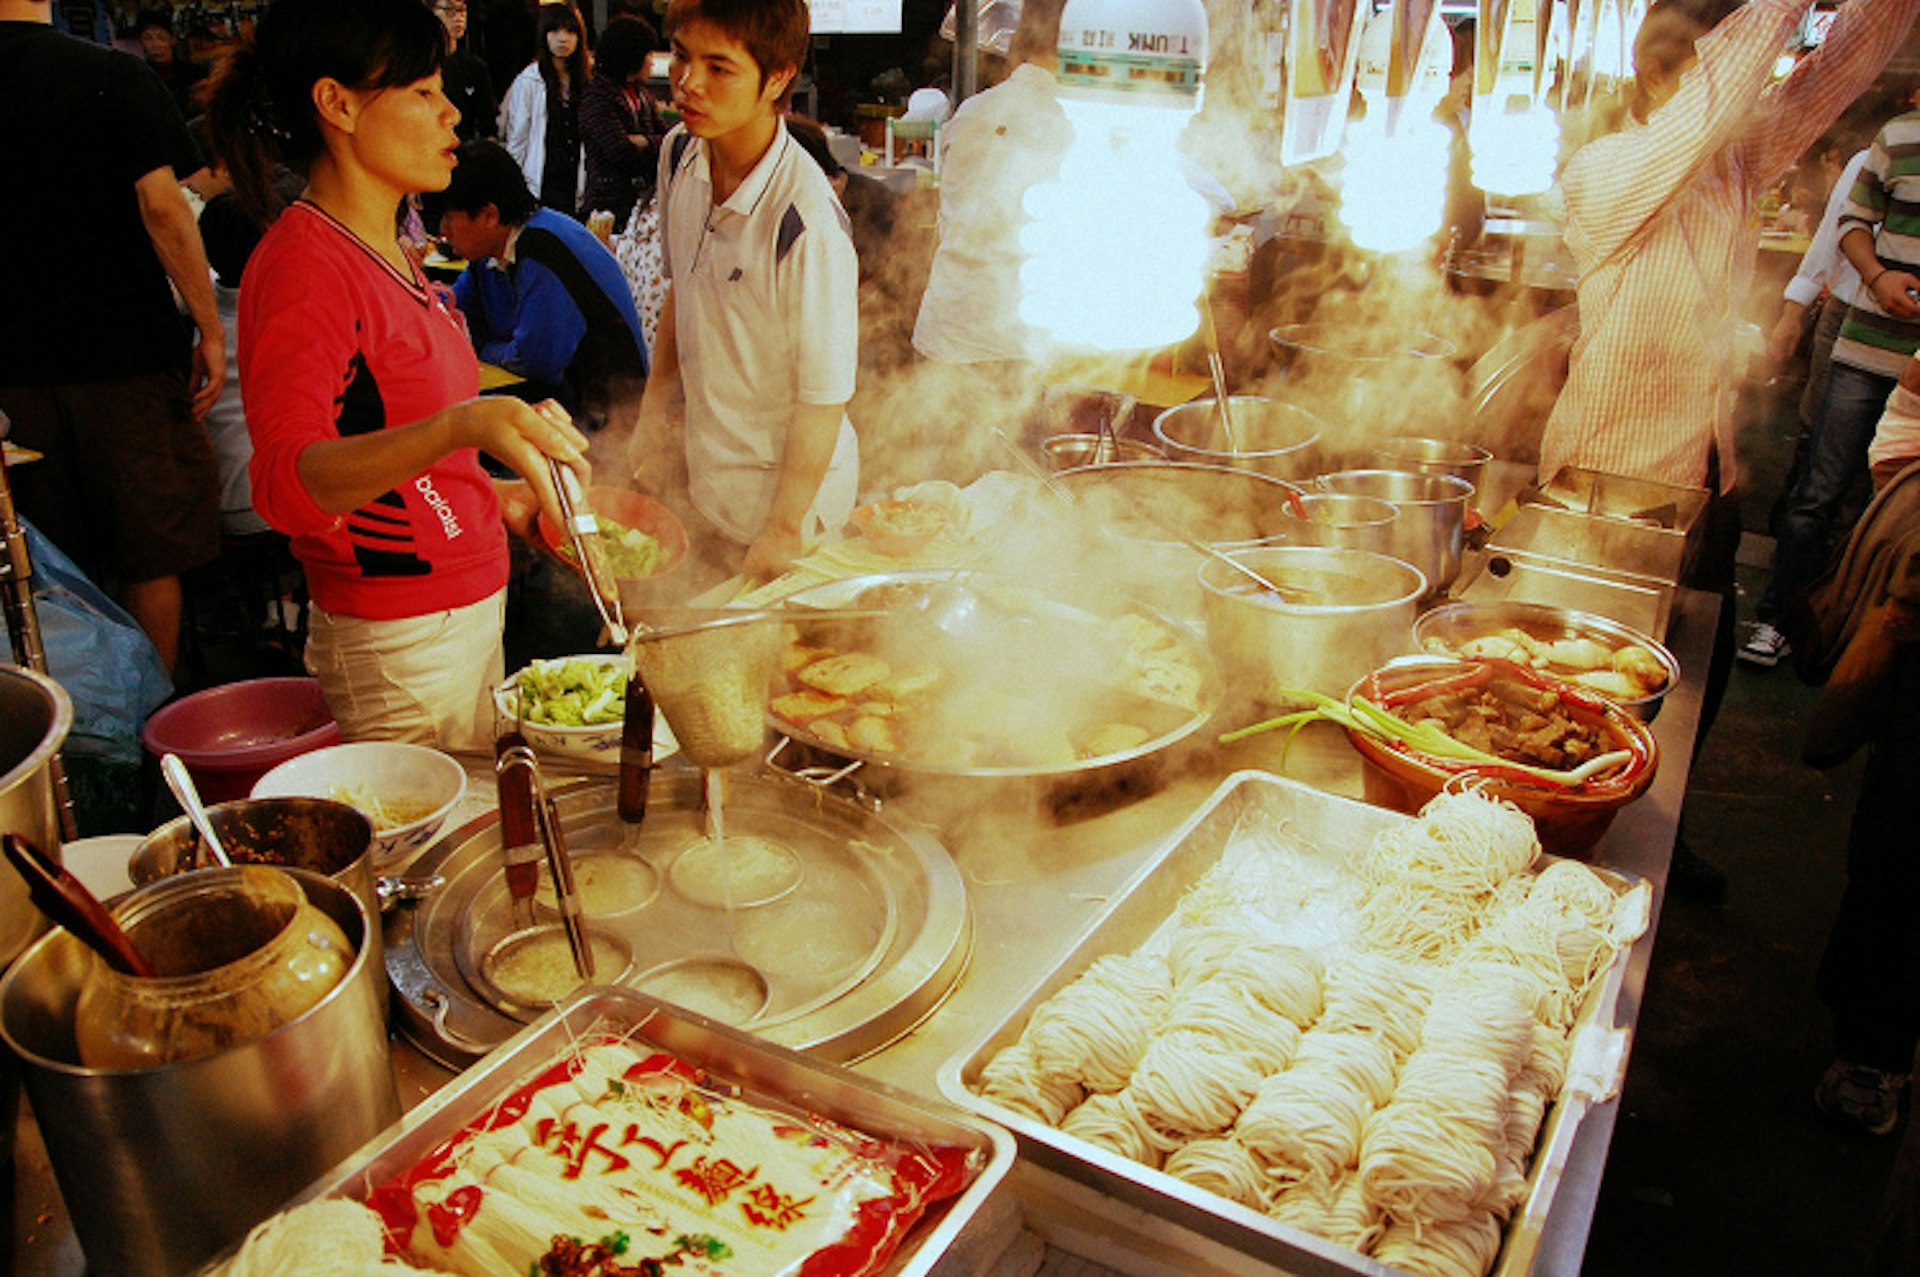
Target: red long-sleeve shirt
334, 341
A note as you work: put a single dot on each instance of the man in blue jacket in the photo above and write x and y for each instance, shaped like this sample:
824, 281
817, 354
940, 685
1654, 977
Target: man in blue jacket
543, 297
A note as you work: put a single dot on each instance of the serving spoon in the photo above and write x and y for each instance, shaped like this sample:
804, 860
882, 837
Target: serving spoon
184, 793
66, 900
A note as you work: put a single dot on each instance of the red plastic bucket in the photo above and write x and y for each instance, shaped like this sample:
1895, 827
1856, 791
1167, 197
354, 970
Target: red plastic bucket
232, 735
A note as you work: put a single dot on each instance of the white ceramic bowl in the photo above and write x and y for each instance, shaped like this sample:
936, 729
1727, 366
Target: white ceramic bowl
386, 770
100, 863
601, 743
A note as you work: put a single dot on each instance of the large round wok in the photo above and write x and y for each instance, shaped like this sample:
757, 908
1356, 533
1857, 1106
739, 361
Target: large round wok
998, 645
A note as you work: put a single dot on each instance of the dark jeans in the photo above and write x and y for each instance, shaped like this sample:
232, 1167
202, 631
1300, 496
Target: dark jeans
1836, 460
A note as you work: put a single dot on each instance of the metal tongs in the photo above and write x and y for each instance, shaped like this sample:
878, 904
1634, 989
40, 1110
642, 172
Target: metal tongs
583, 533
530, 823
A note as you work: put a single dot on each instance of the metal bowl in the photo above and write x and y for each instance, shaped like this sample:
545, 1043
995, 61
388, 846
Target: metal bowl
1431, 532
1336, 520
1154, 502
1350, 621
1442, 631
1269, 437
1433, 456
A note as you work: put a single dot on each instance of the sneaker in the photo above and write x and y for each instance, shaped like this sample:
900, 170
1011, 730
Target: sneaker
1860, 1098
1765, 647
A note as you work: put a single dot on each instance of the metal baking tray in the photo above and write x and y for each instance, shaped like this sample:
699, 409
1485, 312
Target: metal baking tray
1614, 496
1617, 546
758, 1068
1339, 829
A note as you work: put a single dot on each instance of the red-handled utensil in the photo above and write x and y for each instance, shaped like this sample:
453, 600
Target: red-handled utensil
66, 900
519, 831
636, 752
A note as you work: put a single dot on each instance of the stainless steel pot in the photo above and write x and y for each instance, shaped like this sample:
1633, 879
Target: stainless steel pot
318, 834
35, 716
1433, 456
1337, 521
160, 1168
1355, 619
1138, 512
1269, 437
1431, 532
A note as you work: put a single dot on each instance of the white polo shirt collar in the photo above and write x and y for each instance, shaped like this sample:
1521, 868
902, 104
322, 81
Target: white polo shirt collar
746, 197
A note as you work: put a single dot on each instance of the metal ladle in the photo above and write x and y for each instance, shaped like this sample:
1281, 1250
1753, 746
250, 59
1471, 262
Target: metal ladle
1219, 373
184, 793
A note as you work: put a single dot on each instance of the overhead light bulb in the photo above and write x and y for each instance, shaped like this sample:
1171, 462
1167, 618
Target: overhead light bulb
1117, 247
1393, 180
1514, 136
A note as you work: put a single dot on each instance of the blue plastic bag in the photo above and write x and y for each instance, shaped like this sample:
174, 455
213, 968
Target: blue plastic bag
97, 652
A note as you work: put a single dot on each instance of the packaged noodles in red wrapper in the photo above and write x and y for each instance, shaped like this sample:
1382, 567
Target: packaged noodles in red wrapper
620, 1160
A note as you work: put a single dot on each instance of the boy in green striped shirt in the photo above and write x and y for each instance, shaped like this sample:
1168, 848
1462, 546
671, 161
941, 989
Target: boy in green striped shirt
1880, 235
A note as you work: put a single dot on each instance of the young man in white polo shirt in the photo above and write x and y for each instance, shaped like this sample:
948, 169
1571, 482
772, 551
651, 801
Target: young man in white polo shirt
761, 322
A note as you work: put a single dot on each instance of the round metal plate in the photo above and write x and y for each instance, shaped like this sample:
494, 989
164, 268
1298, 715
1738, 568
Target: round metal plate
872, 938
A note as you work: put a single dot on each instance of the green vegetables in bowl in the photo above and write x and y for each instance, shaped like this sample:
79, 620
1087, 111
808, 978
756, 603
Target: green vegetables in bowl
631, 553
572, 692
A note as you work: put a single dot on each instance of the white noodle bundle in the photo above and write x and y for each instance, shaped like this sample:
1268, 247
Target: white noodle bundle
1371, 993
1187, 1085
1094, 1030
1464, 1248
331, 1237
1362, 1061
1573, 888
1484, 1009
1563, 949
1432, 878
1113, 1122
1463, 844
1282, 977
1223, 1166
1241, 1022
1409, 919
1013, 1078
1336, 1210
1305, 1123
1468, 1093
1417, 1165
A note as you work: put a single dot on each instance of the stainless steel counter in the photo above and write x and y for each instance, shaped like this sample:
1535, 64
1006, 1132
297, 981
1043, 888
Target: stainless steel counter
1033, 888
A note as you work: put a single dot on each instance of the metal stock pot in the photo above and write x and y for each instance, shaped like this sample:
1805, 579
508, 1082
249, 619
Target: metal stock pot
35, 716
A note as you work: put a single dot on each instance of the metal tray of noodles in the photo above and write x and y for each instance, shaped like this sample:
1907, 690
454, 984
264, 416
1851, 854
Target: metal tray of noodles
760, 1069
855, 932
1331, 832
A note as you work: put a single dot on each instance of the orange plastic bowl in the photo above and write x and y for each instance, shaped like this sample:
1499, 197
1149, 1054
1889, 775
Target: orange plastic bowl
634, 510
1569, 821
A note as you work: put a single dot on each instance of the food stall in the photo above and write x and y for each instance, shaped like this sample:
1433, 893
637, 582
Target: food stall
1043, 867
942, 894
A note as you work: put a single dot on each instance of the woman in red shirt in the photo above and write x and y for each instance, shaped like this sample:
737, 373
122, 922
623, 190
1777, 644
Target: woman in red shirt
361, 387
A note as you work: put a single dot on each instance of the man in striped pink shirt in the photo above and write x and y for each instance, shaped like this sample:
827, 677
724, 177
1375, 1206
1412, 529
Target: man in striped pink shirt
1662, 223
